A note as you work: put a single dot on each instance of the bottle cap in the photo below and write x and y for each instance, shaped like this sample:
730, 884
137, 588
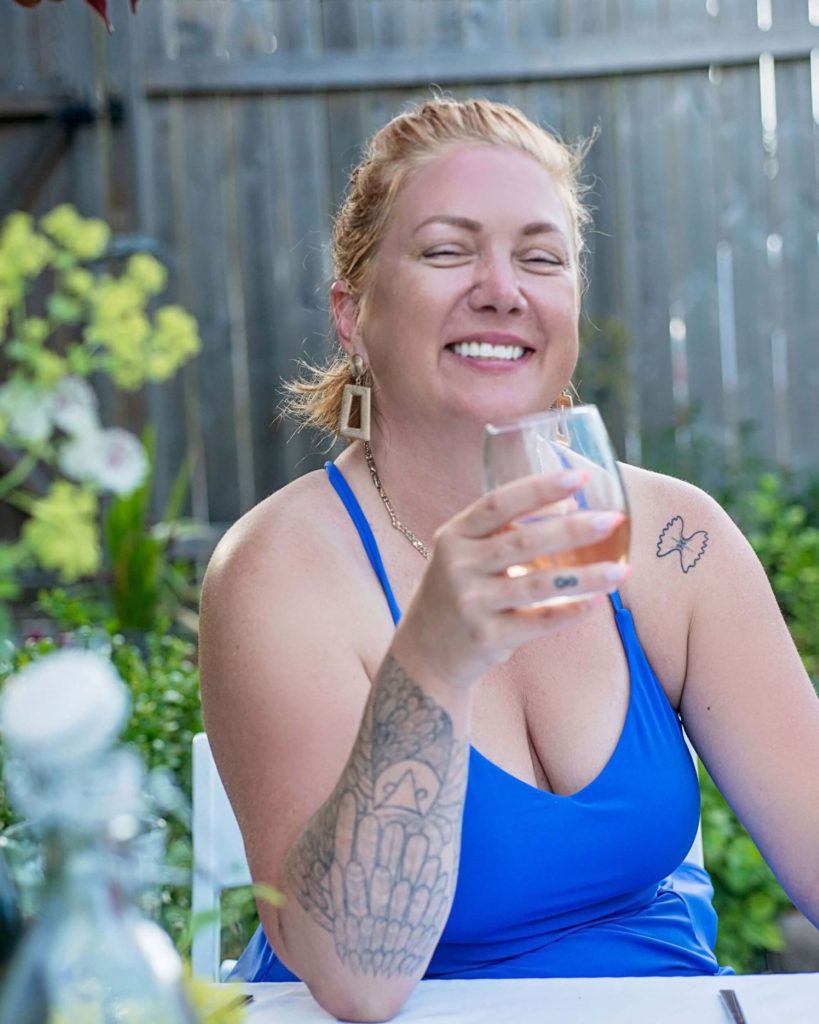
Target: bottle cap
62, 709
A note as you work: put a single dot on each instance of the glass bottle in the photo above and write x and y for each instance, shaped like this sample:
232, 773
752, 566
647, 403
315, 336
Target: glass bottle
91, 957
11, 920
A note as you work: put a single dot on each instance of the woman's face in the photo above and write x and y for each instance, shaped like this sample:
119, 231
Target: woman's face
472, 304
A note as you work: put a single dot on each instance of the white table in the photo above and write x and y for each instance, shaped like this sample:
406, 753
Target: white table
765, 999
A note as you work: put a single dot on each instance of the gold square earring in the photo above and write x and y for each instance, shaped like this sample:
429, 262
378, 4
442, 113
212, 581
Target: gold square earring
564, 400
563, 403
363, 393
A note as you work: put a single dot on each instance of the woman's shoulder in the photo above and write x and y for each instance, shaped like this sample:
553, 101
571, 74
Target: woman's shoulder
673, 523
675, 527
298, 531
647, 489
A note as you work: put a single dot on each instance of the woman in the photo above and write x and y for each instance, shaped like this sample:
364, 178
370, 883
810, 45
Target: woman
345, 731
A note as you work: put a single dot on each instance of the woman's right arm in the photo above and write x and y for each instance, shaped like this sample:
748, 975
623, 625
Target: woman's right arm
346, 768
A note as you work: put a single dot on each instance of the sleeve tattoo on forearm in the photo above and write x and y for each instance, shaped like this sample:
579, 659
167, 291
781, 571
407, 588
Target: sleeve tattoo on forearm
373, 866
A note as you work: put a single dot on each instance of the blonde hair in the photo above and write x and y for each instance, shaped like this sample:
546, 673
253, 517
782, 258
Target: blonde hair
407, 142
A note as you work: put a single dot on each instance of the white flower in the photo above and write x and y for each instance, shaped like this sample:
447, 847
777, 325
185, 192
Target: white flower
63, 707
74, 406
112, 459
28, 412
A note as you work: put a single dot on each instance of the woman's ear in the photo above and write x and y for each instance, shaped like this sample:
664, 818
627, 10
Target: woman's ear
345, 315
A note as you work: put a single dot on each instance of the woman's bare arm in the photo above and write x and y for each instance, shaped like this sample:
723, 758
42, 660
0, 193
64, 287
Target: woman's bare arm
749, 706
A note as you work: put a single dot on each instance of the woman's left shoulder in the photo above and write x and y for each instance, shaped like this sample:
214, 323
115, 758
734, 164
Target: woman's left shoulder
670, 516
650, 491
678, 535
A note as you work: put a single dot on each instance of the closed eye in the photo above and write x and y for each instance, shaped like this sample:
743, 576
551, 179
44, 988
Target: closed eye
543, 258
432, 253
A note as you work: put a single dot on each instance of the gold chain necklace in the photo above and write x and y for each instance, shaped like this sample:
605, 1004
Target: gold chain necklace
416, 542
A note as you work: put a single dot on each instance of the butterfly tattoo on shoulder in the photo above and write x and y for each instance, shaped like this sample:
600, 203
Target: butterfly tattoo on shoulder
690, 548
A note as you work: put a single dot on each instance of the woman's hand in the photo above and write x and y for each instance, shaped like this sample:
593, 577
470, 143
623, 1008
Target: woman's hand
467, 613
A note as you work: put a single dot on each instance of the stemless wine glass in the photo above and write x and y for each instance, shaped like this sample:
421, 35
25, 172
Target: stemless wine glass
551, 442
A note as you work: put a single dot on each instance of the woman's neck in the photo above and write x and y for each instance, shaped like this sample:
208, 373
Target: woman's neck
428, 474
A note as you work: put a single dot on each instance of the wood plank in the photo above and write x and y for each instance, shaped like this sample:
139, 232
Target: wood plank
693, 299
346, 133
741, 194
266, 280
485, 24
164, 222
580, 57
388, 24
206, 381
643, 228
251, 29
440, 26
299, 26
797, 224
307, 194
537, 23
232, 186
340, 28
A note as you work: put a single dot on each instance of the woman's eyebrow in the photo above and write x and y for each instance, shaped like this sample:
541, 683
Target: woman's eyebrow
543, 227
538, 227
458, 222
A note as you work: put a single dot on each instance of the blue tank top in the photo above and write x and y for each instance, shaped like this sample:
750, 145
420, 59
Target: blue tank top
592, 884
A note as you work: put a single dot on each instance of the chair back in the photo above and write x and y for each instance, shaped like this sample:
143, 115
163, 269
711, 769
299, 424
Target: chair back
695, 854
219, 861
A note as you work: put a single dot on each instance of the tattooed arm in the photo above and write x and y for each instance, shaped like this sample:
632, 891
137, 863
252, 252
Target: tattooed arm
375, 867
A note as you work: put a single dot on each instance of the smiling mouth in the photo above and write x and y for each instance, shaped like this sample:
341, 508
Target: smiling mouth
485, 350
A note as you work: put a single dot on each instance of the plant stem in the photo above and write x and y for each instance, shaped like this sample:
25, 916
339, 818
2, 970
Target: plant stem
17, 475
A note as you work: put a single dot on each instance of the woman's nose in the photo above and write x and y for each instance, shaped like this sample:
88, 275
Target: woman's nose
496, 288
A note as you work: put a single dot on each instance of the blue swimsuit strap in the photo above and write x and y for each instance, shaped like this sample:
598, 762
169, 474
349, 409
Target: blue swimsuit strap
350, 502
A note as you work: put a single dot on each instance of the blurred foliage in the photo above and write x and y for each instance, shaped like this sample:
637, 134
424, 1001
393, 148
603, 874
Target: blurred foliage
162, 676
66, 319
748, 899
602, 375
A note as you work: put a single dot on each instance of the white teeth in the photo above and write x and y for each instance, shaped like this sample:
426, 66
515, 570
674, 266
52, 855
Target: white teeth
483, 350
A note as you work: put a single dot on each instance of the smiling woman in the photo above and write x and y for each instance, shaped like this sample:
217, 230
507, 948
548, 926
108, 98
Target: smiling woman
346, 731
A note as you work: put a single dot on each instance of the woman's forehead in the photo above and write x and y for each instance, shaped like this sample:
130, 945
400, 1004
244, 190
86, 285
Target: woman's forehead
485, 184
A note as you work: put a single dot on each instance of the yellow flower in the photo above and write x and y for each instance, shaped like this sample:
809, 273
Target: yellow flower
61, 223
174, 341
62, 531
115, 297
23, 253
78, 282
147, 273
35, 330
92, 239
48, 368
86, 238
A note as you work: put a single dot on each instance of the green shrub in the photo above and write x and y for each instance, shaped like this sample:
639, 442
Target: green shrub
748, 899
161, 674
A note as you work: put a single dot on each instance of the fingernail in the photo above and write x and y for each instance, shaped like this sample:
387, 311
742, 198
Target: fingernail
572, 479
615, 572
603, 522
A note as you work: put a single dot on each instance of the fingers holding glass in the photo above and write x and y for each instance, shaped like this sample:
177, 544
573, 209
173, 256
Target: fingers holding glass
584, 534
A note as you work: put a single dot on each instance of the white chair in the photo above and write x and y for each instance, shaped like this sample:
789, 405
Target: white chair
219, 861
695, 854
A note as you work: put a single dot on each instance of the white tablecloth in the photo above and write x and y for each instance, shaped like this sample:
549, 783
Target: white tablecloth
765, 999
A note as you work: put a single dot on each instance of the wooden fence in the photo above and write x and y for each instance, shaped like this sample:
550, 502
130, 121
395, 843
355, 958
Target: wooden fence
241, 120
